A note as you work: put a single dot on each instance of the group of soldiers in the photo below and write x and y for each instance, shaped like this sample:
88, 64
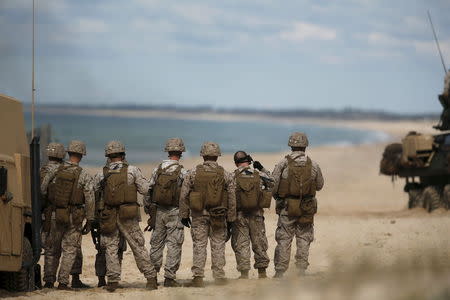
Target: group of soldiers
216, 205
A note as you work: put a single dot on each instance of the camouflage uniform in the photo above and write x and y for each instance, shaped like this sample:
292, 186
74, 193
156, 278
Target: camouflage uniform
249, 228
201, 225
66, 241
129, 229
288, 227
168, 228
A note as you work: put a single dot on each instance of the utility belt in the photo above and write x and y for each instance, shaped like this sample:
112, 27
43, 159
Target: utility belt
304, 207
110, 214
65, 215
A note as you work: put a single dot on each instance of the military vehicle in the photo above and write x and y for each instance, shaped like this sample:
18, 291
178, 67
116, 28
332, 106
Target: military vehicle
20, 212
424, 161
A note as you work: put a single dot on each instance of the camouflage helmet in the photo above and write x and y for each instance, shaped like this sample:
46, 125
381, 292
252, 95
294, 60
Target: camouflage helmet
298, 139
175, 144
77, 147
210, 149
114, 147
56, 150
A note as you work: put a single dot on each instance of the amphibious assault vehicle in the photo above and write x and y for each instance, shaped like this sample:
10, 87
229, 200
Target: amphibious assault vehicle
20, 213
424, 161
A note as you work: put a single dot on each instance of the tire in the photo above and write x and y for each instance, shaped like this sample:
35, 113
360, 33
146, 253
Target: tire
415, 198
24, 280
432, 198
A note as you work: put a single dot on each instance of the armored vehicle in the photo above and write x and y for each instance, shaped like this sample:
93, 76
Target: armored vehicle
424, 161
20, 214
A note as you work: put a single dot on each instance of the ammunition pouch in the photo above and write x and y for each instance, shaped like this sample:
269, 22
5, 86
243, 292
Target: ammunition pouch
218, 217
62, 216
47, 224
78, 215
108, 220
196, 203
128, 211
293, 207
265, 199
308, 205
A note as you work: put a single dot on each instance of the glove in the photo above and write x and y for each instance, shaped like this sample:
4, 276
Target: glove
258, 165
87, 227
186, 222
229, 230
150, 225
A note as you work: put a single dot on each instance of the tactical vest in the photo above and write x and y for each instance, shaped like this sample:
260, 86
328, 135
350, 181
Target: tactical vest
299, 183
166, 190
117, 191
210, 184
248, 190
64, 191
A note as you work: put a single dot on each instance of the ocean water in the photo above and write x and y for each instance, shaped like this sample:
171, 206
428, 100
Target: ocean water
144, 138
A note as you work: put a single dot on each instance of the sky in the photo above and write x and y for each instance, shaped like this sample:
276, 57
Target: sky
265, 54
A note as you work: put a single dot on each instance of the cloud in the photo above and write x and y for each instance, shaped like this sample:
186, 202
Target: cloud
302, 31
385, 40
199, 14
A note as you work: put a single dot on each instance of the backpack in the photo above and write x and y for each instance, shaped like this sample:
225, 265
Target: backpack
166, 190
247, 190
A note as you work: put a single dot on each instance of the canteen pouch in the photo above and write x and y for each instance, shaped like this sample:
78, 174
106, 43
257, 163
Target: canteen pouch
283, 188
217, 217
196, 202
128, 211
62, 216
293, 207
265, 199
108, 220
308, 207
78, 215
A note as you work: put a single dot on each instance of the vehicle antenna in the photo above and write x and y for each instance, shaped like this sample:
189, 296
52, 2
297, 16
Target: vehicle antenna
33, 90
437, 42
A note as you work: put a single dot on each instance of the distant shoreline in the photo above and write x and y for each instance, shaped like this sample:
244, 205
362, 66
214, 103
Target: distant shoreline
394, 128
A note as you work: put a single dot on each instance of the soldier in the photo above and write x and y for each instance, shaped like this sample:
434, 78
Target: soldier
100, 257
297, 178
69, 190
252, 195
446, 91
165, 186
208, 194
55, 154
444, 99
120, 215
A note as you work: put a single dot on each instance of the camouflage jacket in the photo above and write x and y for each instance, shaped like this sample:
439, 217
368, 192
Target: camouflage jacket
266, 182
166, 163
188, 186
84, 183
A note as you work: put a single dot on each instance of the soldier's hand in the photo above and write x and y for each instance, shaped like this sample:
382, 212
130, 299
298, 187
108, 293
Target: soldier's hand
257, 165
150, 225
186, 222
87, 228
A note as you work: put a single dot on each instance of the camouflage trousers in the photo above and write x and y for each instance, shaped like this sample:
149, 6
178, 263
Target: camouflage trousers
249, 229
287, 228
100, 257
168, 232
132, 233
62, 248
51, 263
202, 230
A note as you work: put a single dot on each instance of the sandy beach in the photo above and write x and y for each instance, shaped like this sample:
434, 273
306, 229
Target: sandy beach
368, 245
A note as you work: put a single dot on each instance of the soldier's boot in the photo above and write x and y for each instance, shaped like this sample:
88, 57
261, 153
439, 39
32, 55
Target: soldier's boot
301, 272
197, 281
244, 274
112, 286
101, 281
220, 281
49, 285
152, 283
77, 283
63, 287
169, 282
278, 274
262, 273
